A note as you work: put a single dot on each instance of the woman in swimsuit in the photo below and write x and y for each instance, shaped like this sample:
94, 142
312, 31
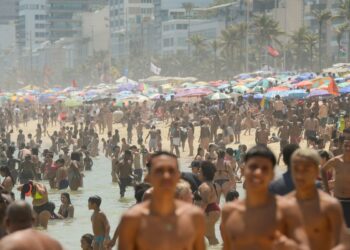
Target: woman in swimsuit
8, 183
208, 196
224, 176
66, 209
200, 154
211, 155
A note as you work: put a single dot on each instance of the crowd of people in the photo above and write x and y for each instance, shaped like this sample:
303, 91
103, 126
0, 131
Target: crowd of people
307, 207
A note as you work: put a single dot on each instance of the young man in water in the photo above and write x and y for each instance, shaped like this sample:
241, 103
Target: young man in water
19, 222
341, 165
261, 221
321, 214
100, 224
162, 222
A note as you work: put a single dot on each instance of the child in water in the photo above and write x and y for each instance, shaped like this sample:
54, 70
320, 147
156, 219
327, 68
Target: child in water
100, 224
86, 242
88, 163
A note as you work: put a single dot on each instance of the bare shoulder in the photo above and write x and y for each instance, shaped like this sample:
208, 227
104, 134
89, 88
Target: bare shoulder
183, 208
137, 211
233, 206
330, 203
287, 203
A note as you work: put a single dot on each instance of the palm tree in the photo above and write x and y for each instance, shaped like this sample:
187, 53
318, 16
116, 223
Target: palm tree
266, 31
321, 16
340, 30
215, 45
199, 45
311, 40
188, 6
343, 12
228, 42
299, 41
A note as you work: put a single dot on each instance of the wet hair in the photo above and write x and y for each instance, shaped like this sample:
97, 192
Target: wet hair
95, 200
230, 151
324, 154
208, 170
308, 154
287, 153
26, 188
140, 189
7, 172
232, 195
160, 153
75, 156
67, 197
89, 238
221, 154
261, 151
60, 161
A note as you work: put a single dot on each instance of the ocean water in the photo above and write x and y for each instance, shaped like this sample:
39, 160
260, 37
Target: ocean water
96, 182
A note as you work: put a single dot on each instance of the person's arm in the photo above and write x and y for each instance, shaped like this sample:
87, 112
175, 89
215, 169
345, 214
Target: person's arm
112, 242
256, 136
199, 243
324, 169
71, 211
128, 232
224, 234
107, 227
336, 221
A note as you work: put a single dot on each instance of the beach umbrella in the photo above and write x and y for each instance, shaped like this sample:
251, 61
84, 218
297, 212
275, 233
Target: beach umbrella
343, 84
294, 94
193, 93
304, 84
318, 92
73, 102
218, 96
134, 98
278, 88
224, 86
345, 90
240, 89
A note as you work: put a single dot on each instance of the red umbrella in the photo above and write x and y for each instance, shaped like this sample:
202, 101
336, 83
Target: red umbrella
304, 84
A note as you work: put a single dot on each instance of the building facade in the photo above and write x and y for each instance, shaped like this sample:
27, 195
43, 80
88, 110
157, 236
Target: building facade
32, 23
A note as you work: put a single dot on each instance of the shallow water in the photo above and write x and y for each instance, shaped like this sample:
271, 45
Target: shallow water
96, 182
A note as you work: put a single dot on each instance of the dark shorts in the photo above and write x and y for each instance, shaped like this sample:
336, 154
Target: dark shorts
310, 133
278, 115
50, 207
63, 184
345, 203
283, 143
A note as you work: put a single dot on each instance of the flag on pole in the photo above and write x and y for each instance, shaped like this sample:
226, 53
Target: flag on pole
154, 69
332, 87
272, 51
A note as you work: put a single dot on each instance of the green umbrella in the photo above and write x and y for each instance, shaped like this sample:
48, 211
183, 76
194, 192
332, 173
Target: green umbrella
218, 96
343, 84
72, 103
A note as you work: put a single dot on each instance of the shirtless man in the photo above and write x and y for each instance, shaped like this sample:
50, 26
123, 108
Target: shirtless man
311, 125
262, 134
19, 222
100, 224
321, 214
341, 165
283, 133
162, 222
279, 226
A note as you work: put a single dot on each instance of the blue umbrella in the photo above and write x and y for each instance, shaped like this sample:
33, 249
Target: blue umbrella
318, 92
345, 90
294, 94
